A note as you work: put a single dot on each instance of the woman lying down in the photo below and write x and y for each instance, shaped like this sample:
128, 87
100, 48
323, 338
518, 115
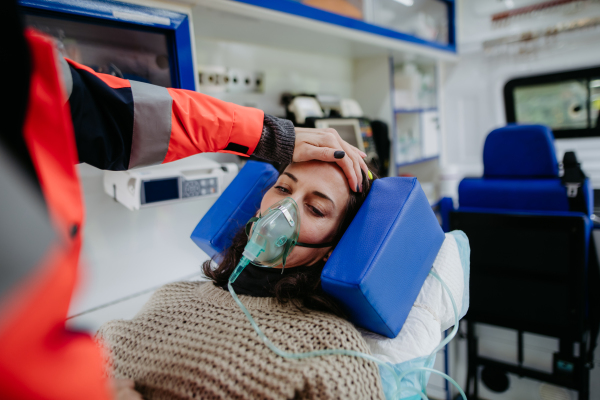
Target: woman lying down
191, 340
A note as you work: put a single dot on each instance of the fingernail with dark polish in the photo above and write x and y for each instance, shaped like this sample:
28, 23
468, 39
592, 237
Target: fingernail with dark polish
339, 154
356, 188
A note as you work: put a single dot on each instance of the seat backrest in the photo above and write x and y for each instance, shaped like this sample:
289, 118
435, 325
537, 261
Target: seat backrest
377, 269
520, 173
528, 249
520, 151
528, 270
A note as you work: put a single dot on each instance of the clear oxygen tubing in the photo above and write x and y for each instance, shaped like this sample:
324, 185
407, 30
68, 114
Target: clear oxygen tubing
434, 371
450, 336
318, 353
444, 342
236, 272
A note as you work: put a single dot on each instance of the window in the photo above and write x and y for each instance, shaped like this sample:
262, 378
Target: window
567, 102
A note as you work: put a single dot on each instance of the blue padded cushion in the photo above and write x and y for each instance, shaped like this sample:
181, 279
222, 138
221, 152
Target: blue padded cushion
236, 205
513, 194
520, 151
446, 205
378, 268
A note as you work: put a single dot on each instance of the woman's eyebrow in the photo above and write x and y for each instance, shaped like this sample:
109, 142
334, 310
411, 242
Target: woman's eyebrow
292, 177
316, 193
324, 196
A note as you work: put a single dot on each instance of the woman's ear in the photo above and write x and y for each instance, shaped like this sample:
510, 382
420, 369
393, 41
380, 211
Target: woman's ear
327, 255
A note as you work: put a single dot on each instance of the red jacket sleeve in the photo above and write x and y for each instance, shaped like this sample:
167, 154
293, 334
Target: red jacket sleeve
121, 124
39, 357
200, 123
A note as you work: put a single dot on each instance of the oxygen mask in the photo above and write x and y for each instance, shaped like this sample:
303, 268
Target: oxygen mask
272, 237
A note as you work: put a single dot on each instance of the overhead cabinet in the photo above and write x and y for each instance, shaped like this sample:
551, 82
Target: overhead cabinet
424, 22
349, 28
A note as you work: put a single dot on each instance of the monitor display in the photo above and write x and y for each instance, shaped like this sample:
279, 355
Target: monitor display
348, 129
139, 55
347, 133
160, 190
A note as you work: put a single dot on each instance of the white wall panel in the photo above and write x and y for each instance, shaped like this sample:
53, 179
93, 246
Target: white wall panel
474, 105
473, 88
285, 71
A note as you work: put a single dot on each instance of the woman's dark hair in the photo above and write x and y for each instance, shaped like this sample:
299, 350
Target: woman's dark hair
303, 288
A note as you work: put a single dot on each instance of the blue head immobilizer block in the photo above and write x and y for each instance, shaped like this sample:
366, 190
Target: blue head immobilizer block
379, 266
232, 210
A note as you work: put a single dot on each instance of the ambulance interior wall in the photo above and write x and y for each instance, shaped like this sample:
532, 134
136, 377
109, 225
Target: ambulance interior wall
473, 87
288, 63
473, 90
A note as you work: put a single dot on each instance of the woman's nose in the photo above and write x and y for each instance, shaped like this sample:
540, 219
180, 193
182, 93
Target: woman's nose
297, 199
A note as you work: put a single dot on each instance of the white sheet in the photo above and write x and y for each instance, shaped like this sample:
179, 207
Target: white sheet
432, 312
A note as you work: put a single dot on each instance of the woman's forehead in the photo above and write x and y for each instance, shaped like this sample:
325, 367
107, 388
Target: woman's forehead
320, 174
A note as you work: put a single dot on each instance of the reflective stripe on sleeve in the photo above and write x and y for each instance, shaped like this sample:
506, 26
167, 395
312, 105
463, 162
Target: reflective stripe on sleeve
65, 73
151, 124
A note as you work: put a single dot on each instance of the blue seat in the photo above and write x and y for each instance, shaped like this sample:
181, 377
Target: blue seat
377, 269
532, 261
520, 173
513, 194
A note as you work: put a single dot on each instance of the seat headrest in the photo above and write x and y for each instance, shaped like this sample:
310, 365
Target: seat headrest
377, 269
520, 151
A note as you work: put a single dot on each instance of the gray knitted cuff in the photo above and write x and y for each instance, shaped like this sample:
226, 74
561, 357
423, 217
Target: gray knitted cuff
277, 140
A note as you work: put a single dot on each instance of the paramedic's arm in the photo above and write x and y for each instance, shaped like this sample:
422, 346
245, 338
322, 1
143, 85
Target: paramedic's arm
121, 124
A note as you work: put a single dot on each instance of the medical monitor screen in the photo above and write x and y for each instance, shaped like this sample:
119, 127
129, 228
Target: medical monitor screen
139, 55
160, 190
347, 133
348, 129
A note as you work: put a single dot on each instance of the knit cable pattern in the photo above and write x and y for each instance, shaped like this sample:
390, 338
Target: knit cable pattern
191, 341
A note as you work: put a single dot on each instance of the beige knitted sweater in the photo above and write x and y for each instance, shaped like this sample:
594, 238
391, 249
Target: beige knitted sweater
191, 341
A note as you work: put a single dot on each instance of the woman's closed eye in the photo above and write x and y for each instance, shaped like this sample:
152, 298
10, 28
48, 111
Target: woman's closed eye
283, 190
315, 211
